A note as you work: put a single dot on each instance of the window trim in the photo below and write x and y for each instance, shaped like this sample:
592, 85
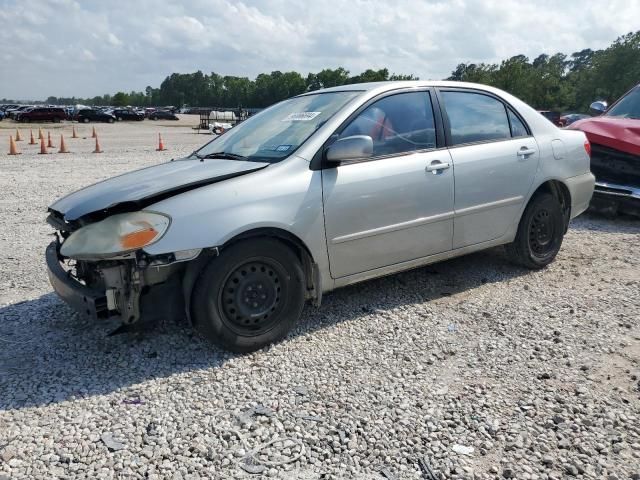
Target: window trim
318, 163
507, 106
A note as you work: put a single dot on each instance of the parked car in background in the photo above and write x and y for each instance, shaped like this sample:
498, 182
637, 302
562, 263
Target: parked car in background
320, 191
42, 114
163, 115
14, 112
87, 115
127, 114
615, 153
6, 107
553, 117
1, 115
569, 118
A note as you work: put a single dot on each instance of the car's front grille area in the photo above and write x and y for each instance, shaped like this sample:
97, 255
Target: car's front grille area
613, 166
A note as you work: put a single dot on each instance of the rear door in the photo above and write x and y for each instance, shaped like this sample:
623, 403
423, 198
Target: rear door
495, 159
395, 206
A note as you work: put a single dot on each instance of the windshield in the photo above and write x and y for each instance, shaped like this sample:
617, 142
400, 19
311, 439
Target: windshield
279, 130
628, 106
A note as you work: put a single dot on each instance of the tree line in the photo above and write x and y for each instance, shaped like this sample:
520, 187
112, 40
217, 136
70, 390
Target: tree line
201, 90
561, 82
556, 82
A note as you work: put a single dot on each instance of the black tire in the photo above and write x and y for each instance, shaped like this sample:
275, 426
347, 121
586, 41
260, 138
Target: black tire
85, 120
56, 119
110, 120
540, 233
249, 296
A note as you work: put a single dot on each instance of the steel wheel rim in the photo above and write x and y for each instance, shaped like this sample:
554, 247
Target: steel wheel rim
252, 297
542, 232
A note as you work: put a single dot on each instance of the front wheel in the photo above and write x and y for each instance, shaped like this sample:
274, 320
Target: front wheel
85, 120
249, 296
110, 120
540, 233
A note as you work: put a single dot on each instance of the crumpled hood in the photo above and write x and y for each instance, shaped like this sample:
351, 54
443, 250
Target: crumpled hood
620, 133
148, 185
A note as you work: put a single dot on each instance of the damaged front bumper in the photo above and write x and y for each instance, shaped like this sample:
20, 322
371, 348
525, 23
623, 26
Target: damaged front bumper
613, 198
617, 188
130, 289
90, 301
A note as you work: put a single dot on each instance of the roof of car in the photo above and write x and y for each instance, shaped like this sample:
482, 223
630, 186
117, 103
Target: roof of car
392, 85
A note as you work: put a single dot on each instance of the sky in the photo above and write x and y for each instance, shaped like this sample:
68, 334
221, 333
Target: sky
85, 48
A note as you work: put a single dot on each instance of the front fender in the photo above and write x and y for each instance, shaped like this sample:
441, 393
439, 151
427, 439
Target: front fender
286, 196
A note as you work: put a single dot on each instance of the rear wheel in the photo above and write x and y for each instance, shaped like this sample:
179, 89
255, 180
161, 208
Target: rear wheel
110, 120
540, 233
249, 296
56, 119
85, 120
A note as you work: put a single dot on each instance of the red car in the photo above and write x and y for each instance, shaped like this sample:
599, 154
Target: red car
615, 153
42, 114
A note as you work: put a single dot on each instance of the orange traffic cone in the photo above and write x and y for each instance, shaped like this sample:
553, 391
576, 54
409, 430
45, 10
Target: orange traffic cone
74, 134
94, 134
50, 143
13, 148
18, 137
160, 144
97, 150
43, 147
32, 141
63, 147
40, 134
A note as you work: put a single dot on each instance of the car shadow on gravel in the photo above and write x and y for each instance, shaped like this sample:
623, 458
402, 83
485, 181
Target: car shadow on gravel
49, 354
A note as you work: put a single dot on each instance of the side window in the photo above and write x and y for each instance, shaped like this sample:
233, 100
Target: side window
474, 117
517, 127
397, 124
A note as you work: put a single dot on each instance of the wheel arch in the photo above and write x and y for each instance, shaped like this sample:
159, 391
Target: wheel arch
560, 191
292, 241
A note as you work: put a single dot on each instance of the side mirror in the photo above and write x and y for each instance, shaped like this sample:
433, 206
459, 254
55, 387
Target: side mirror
350, 148
598, 107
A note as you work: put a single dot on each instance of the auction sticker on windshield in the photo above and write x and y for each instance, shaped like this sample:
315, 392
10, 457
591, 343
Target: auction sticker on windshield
301, 116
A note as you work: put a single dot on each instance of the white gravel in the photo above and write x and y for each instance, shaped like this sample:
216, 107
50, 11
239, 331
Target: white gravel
479, 368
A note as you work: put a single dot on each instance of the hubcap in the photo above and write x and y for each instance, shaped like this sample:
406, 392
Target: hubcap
251, 296
541, 232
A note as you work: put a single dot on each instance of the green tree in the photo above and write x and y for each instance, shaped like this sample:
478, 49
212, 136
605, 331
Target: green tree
120, 99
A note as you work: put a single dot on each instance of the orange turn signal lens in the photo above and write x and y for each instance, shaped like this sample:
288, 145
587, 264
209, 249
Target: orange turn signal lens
138, 239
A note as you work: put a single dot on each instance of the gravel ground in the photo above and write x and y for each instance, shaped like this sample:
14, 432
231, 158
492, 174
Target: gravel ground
474, 366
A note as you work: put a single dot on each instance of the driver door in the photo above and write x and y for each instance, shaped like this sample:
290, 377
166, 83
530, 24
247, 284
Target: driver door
397, 205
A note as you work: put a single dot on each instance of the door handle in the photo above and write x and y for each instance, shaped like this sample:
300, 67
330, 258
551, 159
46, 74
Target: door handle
437, 165
524, 152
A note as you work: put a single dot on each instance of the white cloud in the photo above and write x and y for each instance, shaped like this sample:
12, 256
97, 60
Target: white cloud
113, 40
65, 47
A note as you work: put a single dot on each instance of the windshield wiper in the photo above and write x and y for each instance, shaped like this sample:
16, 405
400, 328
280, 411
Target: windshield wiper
223, 155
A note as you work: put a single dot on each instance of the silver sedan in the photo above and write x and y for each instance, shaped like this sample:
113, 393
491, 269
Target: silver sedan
323, 190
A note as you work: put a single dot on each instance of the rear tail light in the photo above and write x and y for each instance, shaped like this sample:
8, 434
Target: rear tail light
587, 147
